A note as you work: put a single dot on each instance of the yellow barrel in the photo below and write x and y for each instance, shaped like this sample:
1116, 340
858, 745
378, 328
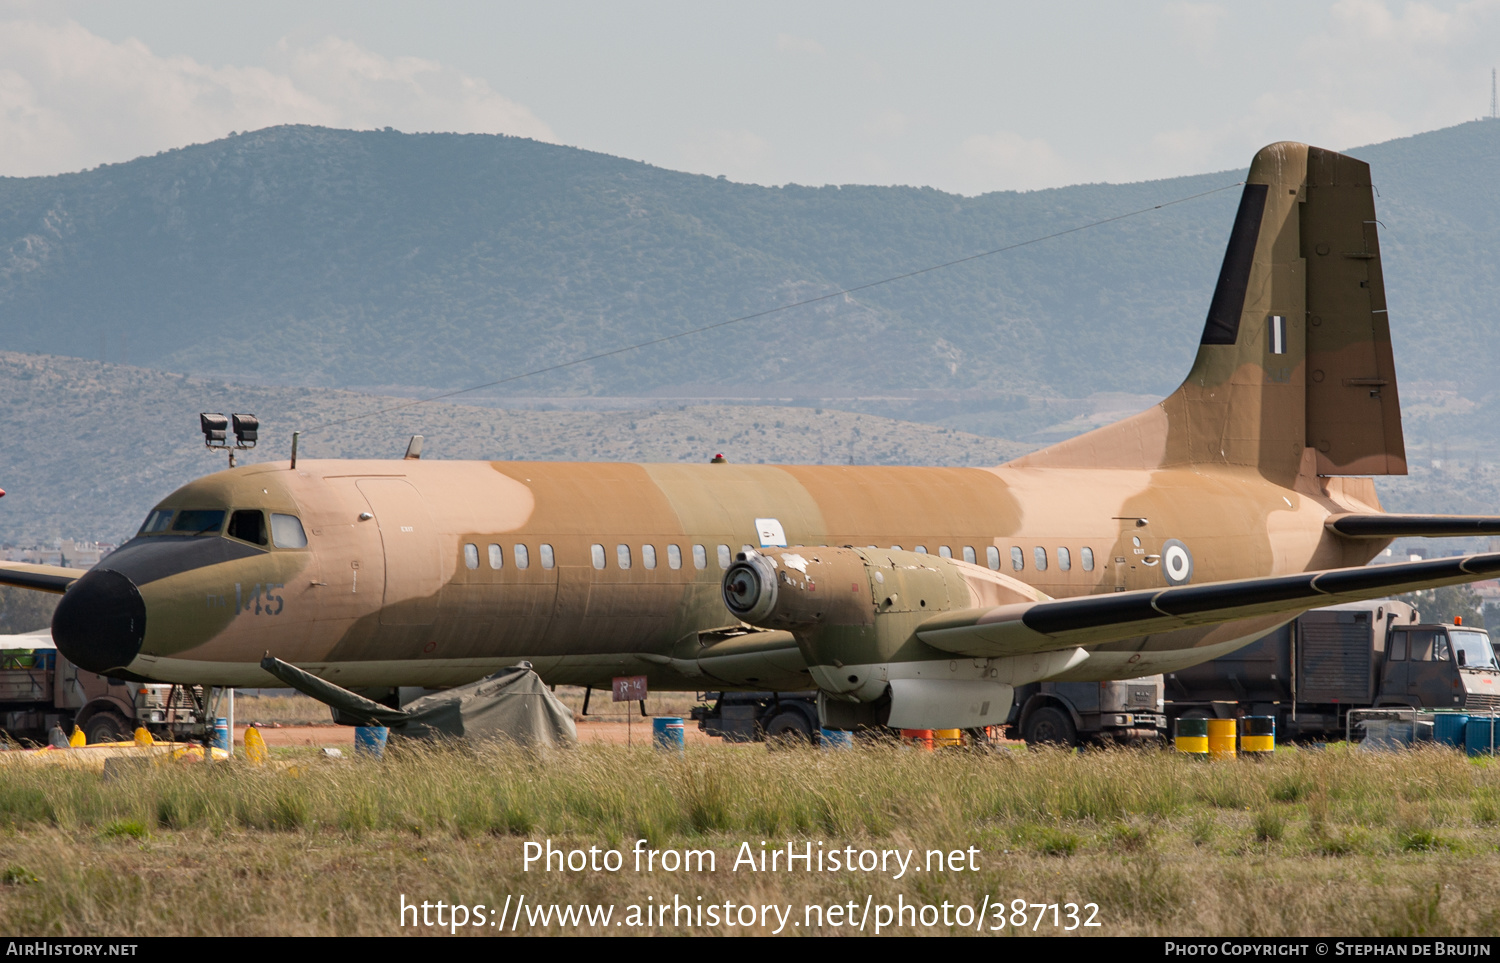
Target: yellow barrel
1221, 733
1258, 735
947, 738
1192, 736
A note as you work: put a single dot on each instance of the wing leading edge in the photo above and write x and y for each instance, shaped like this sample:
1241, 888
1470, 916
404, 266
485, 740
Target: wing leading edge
1056, 623
39, 578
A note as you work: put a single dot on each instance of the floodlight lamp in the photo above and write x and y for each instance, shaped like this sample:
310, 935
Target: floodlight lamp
246, 427
214, 427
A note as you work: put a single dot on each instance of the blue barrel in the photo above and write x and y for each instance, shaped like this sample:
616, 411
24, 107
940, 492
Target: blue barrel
370, 740
668, 734
1481, 736
1448, 728
221, 733
836, 738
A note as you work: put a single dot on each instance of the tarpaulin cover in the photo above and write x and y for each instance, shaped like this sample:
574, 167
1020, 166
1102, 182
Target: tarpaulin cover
512, 704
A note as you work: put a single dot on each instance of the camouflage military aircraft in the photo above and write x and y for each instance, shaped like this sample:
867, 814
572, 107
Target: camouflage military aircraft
1164, 540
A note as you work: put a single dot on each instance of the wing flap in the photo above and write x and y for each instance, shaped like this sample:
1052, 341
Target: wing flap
1028, 627
39, 578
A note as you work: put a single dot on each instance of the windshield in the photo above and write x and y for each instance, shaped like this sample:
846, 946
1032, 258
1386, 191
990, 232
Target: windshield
194, 521
1472, 649
157, 522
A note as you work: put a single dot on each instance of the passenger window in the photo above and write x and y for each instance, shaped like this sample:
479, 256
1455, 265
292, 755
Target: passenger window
1039, 554
622, 556
969, 555
700, 557
1398, 647
199, 522
724, 556
1017, 558
920, 549
945, 551
523, 557
497, 556
895, 548
1064, 559
286, 531
992, 558
1421, 646
249, 526
1440, 647
1088, 559
158, 521
674, 557
648, 556
596, 552
548, 558
471, 555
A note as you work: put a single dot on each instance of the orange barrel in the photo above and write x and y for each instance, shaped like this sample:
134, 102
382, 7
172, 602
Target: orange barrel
1221, 733
1258, 736
1192, 737
947, 738
921, 738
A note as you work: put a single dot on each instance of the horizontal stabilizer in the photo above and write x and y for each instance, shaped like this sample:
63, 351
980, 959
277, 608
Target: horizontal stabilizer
1411, 526
354, 707
1041, 626
39, 578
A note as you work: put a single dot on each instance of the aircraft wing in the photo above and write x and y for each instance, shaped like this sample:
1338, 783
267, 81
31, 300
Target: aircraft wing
1382, 525
1058, 623
39, 578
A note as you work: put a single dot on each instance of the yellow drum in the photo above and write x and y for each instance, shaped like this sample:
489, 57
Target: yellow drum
1258, 735
947, 738
1221, 738
1192, 736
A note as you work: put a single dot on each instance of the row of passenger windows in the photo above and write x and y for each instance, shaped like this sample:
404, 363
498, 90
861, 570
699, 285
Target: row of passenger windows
1017, 557
625, 556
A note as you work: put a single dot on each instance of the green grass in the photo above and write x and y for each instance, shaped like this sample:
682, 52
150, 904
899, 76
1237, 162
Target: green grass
310, 845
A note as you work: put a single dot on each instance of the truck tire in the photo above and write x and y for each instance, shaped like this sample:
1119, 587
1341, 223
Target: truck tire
789, 728
1049, 726
107, 726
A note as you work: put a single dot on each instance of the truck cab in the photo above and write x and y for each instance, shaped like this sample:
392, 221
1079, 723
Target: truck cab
1439, 666
1071, 713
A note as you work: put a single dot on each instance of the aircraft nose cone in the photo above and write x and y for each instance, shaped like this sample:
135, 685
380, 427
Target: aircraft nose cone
101, 622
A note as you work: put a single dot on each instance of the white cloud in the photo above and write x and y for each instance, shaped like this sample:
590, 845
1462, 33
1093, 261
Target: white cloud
790, 43
1006, 161
70, 99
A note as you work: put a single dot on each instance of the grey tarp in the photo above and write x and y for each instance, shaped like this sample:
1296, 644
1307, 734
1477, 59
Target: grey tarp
512, 704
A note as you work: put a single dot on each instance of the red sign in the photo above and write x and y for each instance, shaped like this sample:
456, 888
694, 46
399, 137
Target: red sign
629, 688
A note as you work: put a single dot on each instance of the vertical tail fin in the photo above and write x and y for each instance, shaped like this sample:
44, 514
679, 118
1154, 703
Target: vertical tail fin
1294, 368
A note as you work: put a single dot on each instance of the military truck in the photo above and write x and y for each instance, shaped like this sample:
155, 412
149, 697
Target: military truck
1072, 713
756, 716
40, 689
1065, 713
1309, 673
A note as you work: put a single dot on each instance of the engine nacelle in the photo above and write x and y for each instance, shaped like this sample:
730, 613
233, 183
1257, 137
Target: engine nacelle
854, 613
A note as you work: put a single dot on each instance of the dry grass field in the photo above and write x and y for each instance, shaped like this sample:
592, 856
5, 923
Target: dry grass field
1333, 842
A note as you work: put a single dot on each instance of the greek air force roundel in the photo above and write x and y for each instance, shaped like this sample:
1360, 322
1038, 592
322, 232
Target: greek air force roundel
1176, 562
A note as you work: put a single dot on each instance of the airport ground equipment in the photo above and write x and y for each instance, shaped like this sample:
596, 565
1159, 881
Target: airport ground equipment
756, 716
40, 689
1074, 713
1310, 673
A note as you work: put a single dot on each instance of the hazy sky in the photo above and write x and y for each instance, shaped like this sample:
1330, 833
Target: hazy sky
968, 97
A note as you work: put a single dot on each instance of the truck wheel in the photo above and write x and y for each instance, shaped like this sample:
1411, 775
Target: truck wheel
1049, 726
788, 729
107, 726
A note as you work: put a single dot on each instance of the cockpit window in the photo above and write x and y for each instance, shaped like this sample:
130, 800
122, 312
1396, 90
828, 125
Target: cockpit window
248, 525
196, 521
157, 522
286, 531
